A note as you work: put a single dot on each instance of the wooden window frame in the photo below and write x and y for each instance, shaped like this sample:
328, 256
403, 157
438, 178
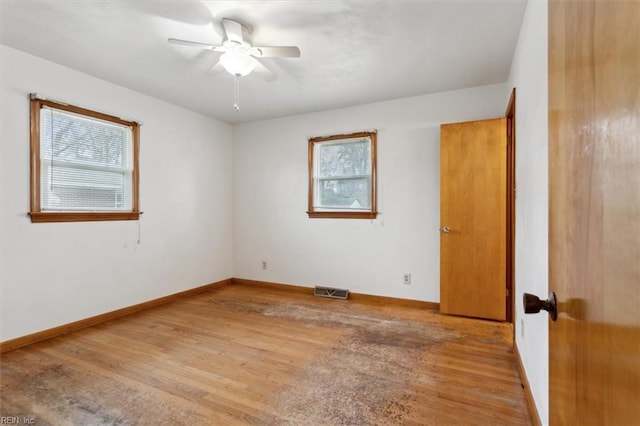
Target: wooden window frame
371, 213
36, 213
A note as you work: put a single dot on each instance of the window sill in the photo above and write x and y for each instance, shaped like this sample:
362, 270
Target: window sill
342, 215
43, 217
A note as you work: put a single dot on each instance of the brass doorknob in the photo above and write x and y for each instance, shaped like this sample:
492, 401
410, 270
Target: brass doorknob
533, 305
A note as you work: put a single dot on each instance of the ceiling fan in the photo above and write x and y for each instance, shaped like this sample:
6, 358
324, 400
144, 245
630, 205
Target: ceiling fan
239, 56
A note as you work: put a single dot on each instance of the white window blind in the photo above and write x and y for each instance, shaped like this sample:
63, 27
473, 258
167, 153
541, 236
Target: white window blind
343, 175
86, 164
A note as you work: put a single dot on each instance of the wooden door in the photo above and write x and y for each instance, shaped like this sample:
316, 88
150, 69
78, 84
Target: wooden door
594, 212
473, 208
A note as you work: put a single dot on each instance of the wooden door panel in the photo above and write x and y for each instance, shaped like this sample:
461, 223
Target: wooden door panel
473, 206
594, 216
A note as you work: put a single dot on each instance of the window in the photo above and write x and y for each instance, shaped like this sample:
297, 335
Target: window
84, 164
342, 176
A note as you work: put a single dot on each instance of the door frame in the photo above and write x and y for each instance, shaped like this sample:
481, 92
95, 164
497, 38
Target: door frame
510, 115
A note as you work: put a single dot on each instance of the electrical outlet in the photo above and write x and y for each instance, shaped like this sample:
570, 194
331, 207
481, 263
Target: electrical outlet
264, 265
406, 279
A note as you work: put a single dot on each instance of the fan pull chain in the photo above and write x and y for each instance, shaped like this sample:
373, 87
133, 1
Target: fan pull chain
236, 94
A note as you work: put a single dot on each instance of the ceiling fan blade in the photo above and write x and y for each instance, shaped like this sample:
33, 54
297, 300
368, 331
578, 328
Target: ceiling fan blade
276, 51
195, 44
233, 30
263, 71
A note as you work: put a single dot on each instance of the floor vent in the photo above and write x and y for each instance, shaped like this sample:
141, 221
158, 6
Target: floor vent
335, 293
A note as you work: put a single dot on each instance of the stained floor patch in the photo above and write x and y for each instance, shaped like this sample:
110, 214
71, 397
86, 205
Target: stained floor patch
363, 378
82, 398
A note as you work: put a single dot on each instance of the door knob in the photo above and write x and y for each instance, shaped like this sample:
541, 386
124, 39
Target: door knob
533, 305
445, 229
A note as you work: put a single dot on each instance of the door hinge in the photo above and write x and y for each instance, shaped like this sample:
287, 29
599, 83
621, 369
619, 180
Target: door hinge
508, 293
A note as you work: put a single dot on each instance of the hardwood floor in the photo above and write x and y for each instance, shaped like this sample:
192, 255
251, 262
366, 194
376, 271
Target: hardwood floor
248, 355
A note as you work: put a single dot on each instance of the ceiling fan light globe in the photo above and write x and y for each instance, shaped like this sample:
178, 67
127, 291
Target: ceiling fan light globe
237, 64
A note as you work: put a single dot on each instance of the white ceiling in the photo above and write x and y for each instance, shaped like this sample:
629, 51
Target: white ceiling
353, 52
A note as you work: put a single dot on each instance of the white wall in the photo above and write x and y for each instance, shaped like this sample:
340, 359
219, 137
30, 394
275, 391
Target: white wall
56, 273
529, 76
365, 256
